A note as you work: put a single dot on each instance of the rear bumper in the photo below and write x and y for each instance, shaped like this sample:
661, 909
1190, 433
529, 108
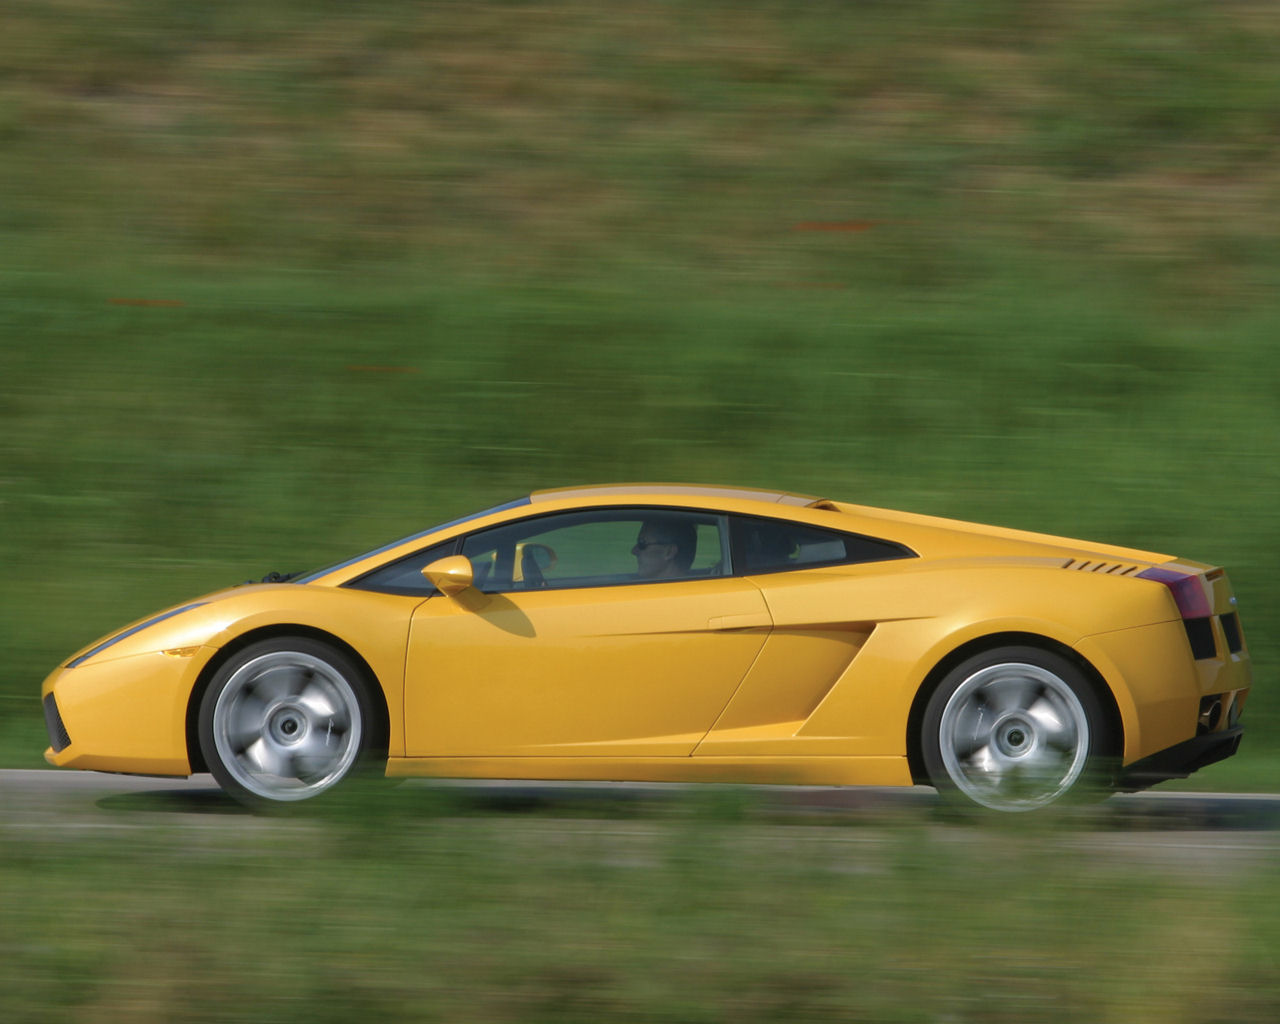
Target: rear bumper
1180, 760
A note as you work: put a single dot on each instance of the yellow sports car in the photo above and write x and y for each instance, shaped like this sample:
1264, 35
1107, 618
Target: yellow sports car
660, 632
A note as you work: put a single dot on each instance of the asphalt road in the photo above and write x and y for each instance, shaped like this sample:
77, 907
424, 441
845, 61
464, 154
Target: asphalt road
1165, 829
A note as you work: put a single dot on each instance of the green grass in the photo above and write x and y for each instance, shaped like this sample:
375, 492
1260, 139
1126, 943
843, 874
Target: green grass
1004, 261
1010, 264
420, 909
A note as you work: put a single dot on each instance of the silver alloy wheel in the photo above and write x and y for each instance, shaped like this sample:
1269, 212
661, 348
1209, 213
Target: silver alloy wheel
1014, 737
287, 725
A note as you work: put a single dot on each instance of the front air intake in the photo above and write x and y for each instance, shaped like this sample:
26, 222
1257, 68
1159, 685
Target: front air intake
58, 738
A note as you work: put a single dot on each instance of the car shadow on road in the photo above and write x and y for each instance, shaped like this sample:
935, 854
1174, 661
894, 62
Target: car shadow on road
1172, 812
429, 801
173, 801
847, 806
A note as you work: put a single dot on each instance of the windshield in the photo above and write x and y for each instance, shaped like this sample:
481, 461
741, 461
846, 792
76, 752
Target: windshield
311, 577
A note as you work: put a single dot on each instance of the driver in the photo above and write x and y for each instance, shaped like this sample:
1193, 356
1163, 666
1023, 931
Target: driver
665, 548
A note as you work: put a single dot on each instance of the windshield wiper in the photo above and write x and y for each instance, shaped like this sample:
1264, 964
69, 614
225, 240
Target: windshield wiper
277, 577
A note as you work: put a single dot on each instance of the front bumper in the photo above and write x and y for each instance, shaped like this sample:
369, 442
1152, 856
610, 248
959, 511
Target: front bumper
123, 714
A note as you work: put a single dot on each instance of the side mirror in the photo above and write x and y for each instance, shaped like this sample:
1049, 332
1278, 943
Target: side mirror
450, 575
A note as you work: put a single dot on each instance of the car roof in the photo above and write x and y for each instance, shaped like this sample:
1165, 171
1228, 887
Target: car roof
927, 535
568, 497
652, 490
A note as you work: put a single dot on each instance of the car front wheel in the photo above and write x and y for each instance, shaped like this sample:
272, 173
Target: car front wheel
284, 720
1015, 729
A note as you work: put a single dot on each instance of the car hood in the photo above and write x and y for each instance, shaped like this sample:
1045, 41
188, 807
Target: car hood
189, 624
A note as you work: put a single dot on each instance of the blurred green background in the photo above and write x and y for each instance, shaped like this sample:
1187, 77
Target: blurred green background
414, 911
282, 280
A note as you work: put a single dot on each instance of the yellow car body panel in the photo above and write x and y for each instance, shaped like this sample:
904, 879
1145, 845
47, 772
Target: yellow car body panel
905, 624
135, 677
634, 670
128, 714
796, 675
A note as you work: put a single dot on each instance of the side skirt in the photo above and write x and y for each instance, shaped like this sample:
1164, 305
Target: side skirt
790, 771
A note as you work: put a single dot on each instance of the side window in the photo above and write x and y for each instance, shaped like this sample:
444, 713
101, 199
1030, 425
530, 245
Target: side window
775, 545
598, 548
404, 576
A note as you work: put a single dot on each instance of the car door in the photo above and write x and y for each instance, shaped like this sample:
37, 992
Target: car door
563, 650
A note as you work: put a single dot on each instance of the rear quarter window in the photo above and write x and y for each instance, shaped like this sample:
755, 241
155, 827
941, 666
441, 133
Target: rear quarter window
775, 545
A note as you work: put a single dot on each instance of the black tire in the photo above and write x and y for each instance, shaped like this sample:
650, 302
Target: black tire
1016, 729
285, 720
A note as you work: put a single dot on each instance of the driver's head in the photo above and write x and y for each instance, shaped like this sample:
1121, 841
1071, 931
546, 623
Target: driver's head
665, 548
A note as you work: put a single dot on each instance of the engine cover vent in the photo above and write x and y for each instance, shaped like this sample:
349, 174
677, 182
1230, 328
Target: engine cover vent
1097, 565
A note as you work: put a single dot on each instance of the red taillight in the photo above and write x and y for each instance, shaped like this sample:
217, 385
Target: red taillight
1188, 591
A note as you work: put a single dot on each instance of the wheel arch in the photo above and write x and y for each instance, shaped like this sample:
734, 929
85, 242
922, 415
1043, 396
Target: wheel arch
377, 696
992, 641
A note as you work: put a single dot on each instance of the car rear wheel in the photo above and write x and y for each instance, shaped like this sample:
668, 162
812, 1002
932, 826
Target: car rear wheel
1015, 729
284, 720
